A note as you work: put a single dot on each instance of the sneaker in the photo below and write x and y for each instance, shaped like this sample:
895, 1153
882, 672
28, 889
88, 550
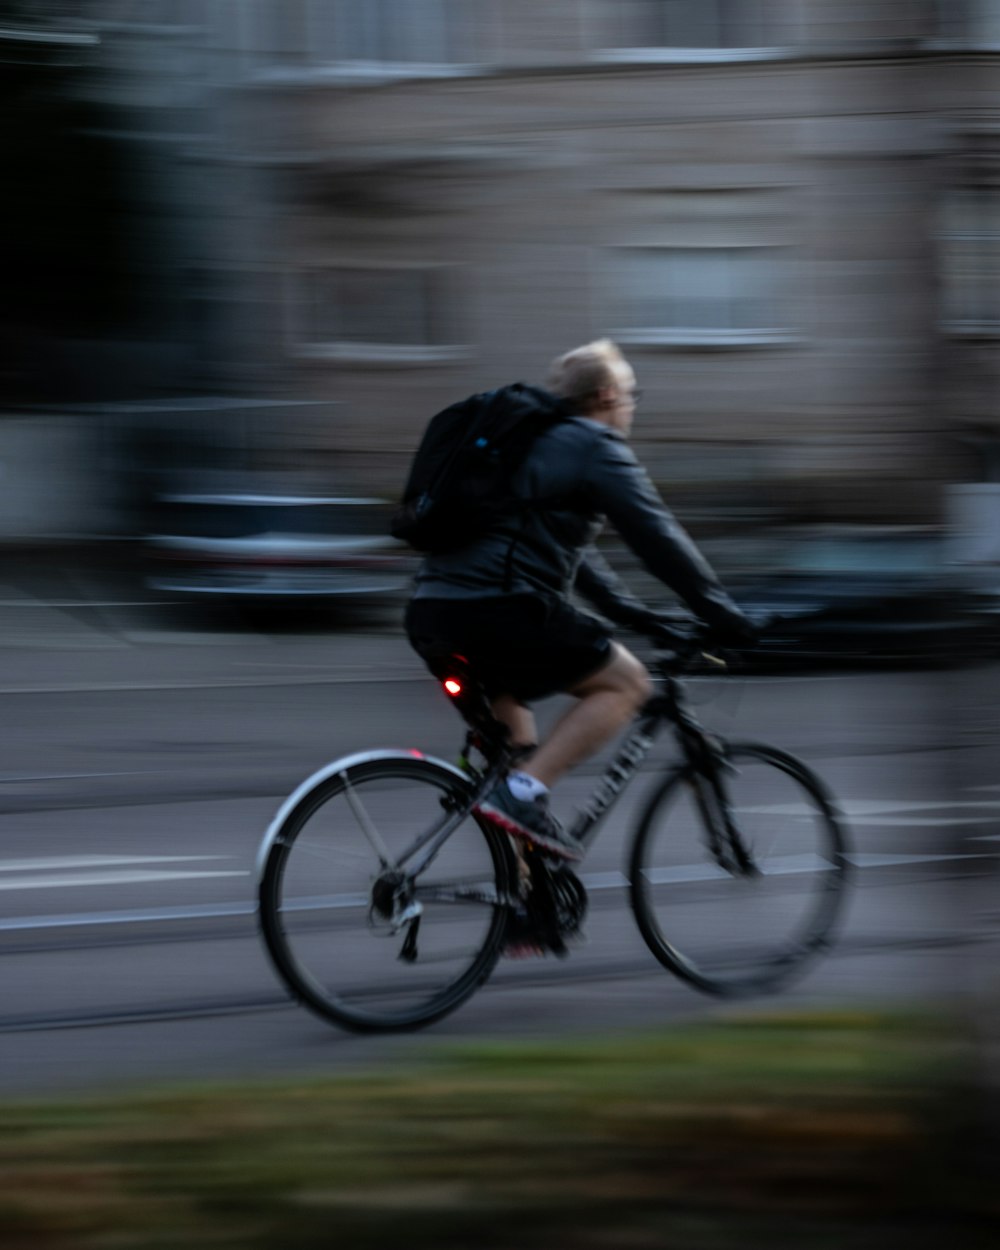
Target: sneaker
528, 819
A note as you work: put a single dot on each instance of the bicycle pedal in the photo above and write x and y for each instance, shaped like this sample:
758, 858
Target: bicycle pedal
534, 948
529, 936
523, 950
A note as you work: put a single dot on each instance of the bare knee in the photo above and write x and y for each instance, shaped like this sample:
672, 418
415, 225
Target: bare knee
519, 720
639, 683
623, 675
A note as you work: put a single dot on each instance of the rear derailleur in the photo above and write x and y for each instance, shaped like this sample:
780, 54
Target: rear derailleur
394, 908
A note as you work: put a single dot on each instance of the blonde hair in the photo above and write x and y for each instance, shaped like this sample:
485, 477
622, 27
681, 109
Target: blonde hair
585, 370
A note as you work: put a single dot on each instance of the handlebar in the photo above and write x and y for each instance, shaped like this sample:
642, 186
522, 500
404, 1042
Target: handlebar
679, 643
683, 639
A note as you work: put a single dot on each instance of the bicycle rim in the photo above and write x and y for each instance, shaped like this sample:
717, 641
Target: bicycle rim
724, 932
339, 955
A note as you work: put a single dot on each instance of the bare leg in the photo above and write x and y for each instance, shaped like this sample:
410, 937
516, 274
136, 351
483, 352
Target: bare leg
607, 701
520, 720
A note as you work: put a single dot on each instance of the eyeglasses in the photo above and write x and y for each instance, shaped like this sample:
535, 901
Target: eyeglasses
633, 394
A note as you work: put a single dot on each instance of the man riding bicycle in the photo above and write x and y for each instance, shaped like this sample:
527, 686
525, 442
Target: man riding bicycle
502, 601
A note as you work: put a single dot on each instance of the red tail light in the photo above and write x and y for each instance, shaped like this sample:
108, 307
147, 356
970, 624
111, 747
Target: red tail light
453, 686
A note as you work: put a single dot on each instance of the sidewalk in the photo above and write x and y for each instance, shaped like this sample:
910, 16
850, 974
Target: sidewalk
84, 617
207, 660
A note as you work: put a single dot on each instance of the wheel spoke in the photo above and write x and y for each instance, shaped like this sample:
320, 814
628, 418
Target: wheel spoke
733, 933
364, 822
331, 890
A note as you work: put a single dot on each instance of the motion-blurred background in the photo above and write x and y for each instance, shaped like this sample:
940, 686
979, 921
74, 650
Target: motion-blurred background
250, 246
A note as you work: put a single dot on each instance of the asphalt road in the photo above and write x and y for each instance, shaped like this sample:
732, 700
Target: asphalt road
142, 763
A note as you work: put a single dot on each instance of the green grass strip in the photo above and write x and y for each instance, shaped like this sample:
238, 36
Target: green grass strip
829, 1130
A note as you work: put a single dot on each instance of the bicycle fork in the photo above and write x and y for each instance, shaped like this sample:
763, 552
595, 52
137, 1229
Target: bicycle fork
725, 841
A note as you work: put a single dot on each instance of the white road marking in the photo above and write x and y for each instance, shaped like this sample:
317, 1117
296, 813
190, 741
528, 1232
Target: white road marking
14, 778
678, 874
604, 880
862, 860
859, 808
68, 871
123, 876
684, 872
211, 683
96, 861
866, 807
921, 822
138, 915
888, 814
97, 870
791, 865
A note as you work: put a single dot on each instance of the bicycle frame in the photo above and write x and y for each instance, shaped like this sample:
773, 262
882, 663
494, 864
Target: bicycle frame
617, 777
515, 893
698, 751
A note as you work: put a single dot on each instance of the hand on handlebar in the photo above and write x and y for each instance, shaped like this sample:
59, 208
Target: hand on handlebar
737, 631
686, 634
676, 634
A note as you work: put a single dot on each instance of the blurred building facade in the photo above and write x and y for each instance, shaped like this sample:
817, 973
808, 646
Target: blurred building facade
788, 214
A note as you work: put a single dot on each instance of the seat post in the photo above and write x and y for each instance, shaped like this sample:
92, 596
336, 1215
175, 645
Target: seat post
467, 693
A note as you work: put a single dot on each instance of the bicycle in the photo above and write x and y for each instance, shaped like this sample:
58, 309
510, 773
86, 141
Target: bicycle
384, 902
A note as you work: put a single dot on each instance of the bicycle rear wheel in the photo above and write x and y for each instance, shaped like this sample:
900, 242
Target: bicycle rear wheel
333, 946
728, 933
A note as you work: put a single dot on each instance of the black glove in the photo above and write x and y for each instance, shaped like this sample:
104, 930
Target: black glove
665, 629
735, 630
640, 620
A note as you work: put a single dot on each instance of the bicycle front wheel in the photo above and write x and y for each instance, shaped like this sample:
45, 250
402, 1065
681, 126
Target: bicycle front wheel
327, 928
726, 932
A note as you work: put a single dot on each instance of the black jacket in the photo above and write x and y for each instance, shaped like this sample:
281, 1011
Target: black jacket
579, 474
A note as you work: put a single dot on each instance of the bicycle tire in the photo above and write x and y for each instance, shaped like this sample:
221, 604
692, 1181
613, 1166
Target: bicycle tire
732, 935
327, 944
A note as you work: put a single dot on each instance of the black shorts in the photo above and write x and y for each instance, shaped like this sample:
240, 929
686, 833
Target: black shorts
519, 645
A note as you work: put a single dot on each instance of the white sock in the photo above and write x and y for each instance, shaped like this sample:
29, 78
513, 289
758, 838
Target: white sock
525, 787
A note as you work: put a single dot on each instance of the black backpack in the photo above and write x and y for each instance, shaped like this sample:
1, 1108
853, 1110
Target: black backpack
460, 480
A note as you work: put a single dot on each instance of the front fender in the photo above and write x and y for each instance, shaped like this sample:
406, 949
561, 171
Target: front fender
332, 770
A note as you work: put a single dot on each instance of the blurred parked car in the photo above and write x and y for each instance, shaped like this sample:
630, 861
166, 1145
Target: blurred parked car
238, 545
871, 596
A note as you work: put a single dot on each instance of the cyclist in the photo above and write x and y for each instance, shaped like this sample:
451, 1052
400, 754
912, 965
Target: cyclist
503, 600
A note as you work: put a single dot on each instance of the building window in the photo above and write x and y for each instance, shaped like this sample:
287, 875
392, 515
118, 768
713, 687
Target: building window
970, 259
373, 312
699, 295
692, 23
395, 30
970, 21
398, 32
702, 265
171, 12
